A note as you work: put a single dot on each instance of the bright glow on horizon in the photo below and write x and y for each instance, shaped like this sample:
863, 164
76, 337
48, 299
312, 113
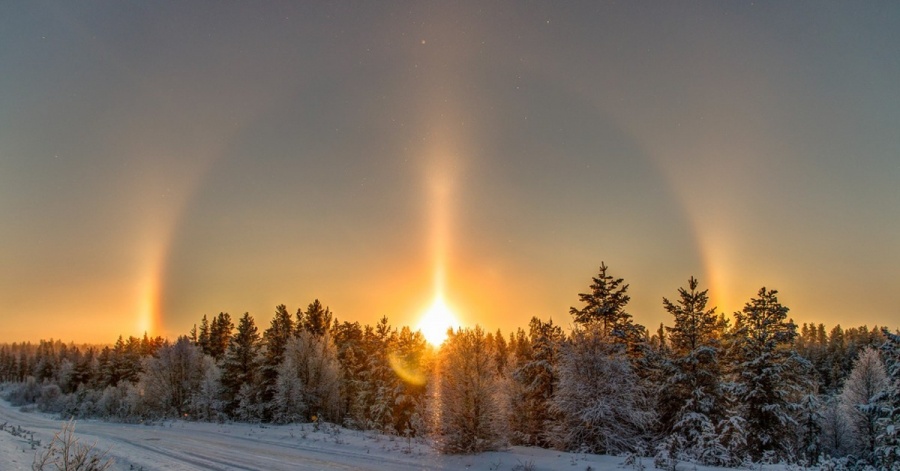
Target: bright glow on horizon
435, 322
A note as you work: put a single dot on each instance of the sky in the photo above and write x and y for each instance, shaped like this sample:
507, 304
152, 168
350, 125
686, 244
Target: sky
161, 161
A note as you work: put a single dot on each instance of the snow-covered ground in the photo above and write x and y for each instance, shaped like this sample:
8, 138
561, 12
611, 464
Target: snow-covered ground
178, 445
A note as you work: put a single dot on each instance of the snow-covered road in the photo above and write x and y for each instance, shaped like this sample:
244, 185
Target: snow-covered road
183, 445
190, 446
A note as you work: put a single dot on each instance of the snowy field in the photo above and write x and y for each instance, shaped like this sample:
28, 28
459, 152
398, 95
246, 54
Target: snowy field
177, 445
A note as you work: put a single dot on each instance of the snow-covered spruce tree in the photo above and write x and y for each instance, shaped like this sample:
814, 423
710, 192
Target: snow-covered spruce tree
691, 401
275, 340
604, 306
887, 435
240, 366
766, 386
468, 413
348, 337
380, 383
309, 380
867, 378
809, 427
601, 405
536, 381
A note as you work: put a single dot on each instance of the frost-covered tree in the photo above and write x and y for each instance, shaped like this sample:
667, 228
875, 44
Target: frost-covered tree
887, 435
604, 306
809, 428
407, 357
380, 382
866, 380
309, 380
599, 398
348, 337
240, 365
691, 400
275, 340
205, 402
835, 437
469, 415
535, 383
172, 379
766, 386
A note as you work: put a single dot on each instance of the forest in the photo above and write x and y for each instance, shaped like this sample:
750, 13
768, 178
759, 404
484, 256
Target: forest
709, 388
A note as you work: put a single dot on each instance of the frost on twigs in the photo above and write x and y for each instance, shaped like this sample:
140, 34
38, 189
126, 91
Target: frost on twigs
65, 453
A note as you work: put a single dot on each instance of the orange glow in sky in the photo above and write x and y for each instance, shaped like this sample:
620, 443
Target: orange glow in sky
396, 159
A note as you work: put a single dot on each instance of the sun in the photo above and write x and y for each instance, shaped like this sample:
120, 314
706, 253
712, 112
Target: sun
435, 322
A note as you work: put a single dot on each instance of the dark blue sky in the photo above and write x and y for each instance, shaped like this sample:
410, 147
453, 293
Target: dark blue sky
164, 160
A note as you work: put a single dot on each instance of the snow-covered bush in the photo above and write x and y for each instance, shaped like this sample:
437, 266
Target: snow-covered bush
602, 406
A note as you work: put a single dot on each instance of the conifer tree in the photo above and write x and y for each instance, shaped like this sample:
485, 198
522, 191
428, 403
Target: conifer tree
692, 398
348, 338
240, 364
537, 380
810, 419
203, 336
220, 332
604, 306
317, 319
766, 382
275, 339
381, 382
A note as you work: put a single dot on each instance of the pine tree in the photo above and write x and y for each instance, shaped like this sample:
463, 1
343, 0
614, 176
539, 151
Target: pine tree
766, 382
605, 305
381, 381
219, 335
810, 428
203, 336
275, 339
348, 338
692, 398
537, 381
240, 364
316, 320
